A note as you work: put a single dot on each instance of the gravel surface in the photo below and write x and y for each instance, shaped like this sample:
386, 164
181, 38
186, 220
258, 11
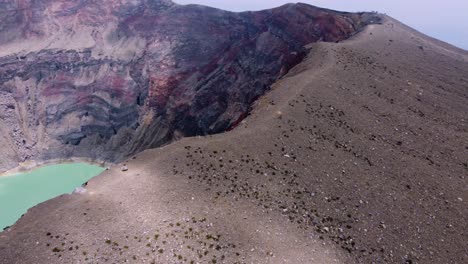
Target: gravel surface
358, 155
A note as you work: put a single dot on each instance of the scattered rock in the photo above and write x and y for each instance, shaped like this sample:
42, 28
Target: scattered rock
80, 190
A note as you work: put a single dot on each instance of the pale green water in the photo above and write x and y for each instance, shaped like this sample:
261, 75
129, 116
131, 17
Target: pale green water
19, 192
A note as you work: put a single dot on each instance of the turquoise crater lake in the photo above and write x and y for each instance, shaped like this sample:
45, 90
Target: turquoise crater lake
21, 191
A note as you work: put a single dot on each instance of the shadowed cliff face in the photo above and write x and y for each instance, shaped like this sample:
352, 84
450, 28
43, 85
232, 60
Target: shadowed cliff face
105, 79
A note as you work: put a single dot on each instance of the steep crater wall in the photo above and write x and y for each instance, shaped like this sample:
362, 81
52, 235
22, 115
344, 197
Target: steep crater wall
106, 79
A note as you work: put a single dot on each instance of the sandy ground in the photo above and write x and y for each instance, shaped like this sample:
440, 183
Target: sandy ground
33, 165
358, 155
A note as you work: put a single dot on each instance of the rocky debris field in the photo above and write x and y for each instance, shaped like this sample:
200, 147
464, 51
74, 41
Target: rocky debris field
357, 155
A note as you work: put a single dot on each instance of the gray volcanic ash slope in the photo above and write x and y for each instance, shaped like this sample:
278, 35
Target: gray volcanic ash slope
357, 155
105, 79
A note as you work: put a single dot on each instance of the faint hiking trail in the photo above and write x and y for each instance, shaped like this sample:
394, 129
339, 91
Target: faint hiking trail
357, 155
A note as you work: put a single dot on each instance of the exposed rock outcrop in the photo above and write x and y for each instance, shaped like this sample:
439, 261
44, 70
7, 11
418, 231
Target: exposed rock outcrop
357, 155
104, 79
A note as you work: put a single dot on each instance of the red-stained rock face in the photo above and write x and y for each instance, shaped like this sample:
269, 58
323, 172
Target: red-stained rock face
122, 75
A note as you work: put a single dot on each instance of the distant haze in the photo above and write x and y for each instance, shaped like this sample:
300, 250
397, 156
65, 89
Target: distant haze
445, 20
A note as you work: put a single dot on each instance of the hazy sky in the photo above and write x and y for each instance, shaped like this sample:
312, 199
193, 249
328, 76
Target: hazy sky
446, 20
